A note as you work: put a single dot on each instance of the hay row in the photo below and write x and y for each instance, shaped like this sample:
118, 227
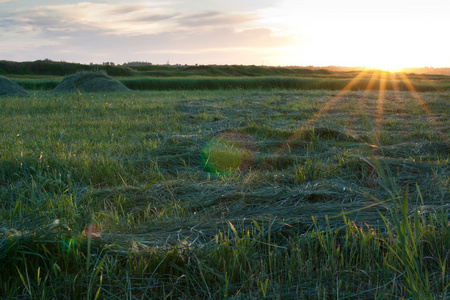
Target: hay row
9, 88
89, 82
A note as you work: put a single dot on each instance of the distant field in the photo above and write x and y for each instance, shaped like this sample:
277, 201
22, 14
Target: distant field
266, 82
245, 193
46, 75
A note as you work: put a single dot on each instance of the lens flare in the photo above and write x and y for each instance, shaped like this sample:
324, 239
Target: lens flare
229, 152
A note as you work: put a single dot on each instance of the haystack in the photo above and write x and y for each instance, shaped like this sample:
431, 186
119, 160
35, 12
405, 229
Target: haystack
9, 88
90, 82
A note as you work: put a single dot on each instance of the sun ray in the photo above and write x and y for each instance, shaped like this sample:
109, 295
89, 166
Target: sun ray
394, 83
380, 107
334, 100
362, 107
325, 109
393, 79
371, 83
424, 108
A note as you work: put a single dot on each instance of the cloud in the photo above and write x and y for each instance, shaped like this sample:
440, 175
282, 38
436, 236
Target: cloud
89, 31
127, 19
216, 46
213, 18
110, 18
8, 23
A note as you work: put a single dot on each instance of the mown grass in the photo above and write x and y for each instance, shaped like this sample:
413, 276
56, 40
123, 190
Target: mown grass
239, 194
268, 83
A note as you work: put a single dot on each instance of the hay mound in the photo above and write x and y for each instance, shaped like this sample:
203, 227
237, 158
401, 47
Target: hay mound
90, 82
9, 88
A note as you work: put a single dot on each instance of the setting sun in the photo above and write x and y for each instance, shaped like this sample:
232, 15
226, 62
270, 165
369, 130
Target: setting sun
352, 33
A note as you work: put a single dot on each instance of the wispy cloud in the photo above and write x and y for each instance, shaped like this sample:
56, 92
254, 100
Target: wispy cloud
141, 31
109, 18
128, 19
213, 18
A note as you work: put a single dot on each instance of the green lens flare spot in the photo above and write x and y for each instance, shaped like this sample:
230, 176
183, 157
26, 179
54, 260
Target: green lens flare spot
229, 152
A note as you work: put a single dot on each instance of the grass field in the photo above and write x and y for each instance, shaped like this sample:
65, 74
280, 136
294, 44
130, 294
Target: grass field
238, 193
204, 81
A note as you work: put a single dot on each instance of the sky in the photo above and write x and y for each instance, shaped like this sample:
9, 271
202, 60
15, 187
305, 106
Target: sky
385, 34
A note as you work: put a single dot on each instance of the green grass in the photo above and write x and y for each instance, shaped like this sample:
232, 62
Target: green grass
308, 82
46, 75
306, 196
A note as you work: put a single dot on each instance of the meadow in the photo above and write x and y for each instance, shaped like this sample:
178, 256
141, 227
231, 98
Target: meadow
244, 192
46, 75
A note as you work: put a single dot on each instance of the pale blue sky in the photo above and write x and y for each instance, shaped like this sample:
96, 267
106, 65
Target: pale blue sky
383, 33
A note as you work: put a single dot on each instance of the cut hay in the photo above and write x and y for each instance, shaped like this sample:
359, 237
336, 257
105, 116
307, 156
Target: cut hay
9, 88
309, 134
90, 82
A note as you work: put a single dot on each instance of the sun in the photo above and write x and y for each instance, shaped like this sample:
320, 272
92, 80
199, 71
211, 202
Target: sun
393, 67
387, 55
355, 37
